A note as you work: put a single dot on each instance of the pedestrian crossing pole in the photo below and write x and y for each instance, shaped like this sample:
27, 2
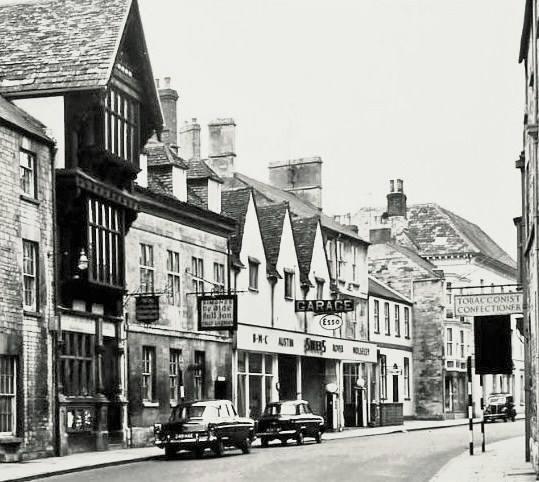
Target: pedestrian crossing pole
470, 404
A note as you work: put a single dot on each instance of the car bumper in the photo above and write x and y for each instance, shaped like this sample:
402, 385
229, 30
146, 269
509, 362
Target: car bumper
275, 434
189, 442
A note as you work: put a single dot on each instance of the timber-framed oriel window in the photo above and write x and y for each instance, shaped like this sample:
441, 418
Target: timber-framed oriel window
76, 361
105, 243
122, 114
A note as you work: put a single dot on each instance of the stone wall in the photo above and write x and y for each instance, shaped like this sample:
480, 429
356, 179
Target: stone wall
25, 335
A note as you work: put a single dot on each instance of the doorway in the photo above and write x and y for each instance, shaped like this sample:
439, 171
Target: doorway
395, 388
287, 377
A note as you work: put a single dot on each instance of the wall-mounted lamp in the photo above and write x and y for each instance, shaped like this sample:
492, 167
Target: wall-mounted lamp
83, 261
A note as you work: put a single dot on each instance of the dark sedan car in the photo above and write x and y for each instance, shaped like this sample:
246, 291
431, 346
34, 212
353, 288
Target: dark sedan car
499, 406
203, 424
287, 420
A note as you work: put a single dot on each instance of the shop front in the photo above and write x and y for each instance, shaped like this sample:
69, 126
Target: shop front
271, 364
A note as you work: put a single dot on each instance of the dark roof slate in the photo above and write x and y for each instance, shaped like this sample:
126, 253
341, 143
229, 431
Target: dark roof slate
199, 169
297, 206
304, 231
234, 204
16, 116
160, 154
438, 231
271, 219
59, 44
380, 290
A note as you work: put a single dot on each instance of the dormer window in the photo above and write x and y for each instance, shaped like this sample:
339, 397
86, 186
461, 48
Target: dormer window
121, 125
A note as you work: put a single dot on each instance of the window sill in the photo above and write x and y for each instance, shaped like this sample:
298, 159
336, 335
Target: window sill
253, 290
33, 314
30, 199
288, 298
147, 404
407, 399
406, 337
10, 440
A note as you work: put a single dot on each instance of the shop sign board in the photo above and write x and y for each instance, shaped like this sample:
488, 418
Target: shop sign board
331, 322
325, 306
217, 312
147, 308
491, 304
258, 338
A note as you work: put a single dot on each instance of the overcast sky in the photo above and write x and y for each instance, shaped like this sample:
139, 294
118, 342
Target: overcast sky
426, 90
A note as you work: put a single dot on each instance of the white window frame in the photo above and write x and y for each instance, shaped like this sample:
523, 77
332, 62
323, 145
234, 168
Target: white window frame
173, 277
449, 341
253, 274
30, 276
289, 284
406, 376
28, 168
219, 277
197, 273
174, 375
406, 322
376, 316
6, 360
147, 268
148, 362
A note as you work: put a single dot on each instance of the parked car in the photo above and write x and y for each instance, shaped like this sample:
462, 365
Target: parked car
290, 419
203, 424
500, 406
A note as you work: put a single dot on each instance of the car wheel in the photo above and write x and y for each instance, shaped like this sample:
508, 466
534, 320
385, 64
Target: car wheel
284, 441
264, 442
199, 453
513, 418
246, 446
218, 448
170, 451
318, 437
505, 419
300, 440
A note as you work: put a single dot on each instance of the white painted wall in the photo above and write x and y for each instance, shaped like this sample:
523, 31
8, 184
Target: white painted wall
179, 184
214, 196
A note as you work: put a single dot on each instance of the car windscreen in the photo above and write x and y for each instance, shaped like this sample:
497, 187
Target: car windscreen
496, 400
194, 411
280, 409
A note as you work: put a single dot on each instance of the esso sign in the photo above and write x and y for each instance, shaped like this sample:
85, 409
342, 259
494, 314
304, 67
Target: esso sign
331, 322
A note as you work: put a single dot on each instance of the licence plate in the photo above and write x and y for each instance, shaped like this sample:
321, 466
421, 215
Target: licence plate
185, 435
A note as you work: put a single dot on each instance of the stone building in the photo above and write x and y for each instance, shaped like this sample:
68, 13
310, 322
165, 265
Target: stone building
528, 226
455, 254
178, 249
27, 280
87, 76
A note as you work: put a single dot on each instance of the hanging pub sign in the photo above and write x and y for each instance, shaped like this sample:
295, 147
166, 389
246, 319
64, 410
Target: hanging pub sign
491, 304
218, 312
325, 306
147, 308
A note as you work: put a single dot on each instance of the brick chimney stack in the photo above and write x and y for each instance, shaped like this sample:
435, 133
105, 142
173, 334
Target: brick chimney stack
190, 140
222, 149
396, 199
169, 98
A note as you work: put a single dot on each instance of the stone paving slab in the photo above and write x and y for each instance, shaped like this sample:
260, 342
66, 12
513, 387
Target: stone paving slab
502, 461
46, 467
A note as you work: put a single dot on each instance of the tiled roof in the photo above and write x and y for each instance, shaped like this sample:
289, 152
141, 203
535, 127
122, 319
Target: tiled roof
160, 154
14, 115
194, 198
419, 260
271, 218
198, 169
234, 204
297, 206
438, 231
304, 231
59, 44
381, 290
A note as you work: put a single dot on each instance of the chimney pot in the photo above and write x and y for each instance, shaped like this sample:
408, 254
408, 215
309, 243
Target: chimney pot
157, 83
194, 120
167, 82
399, 185
391, 185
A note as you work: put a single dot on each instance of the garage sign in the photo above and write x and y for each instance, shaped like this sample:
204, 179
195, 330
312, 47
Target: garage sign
331, 322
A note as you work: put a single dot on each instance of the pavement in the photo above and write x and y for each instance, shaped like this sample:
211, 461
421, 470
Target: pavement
502, 461
47, 467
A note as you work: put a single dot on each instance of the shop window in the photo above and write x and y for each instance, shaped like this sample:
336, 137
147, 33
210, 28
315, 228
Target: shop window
449, 341
320, 288
105, 243
147, 268
288, 284
383, 377
27, 162
386, 319
354, 263
77, 364
376, 316
121, 125
199, 374
173, 278
175, 375
242, 361
8, 401
148, 369
406, 322
197, 272
29, 271
255, 363
219, 277
268, 364
253, 274
406, 375
397, 320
